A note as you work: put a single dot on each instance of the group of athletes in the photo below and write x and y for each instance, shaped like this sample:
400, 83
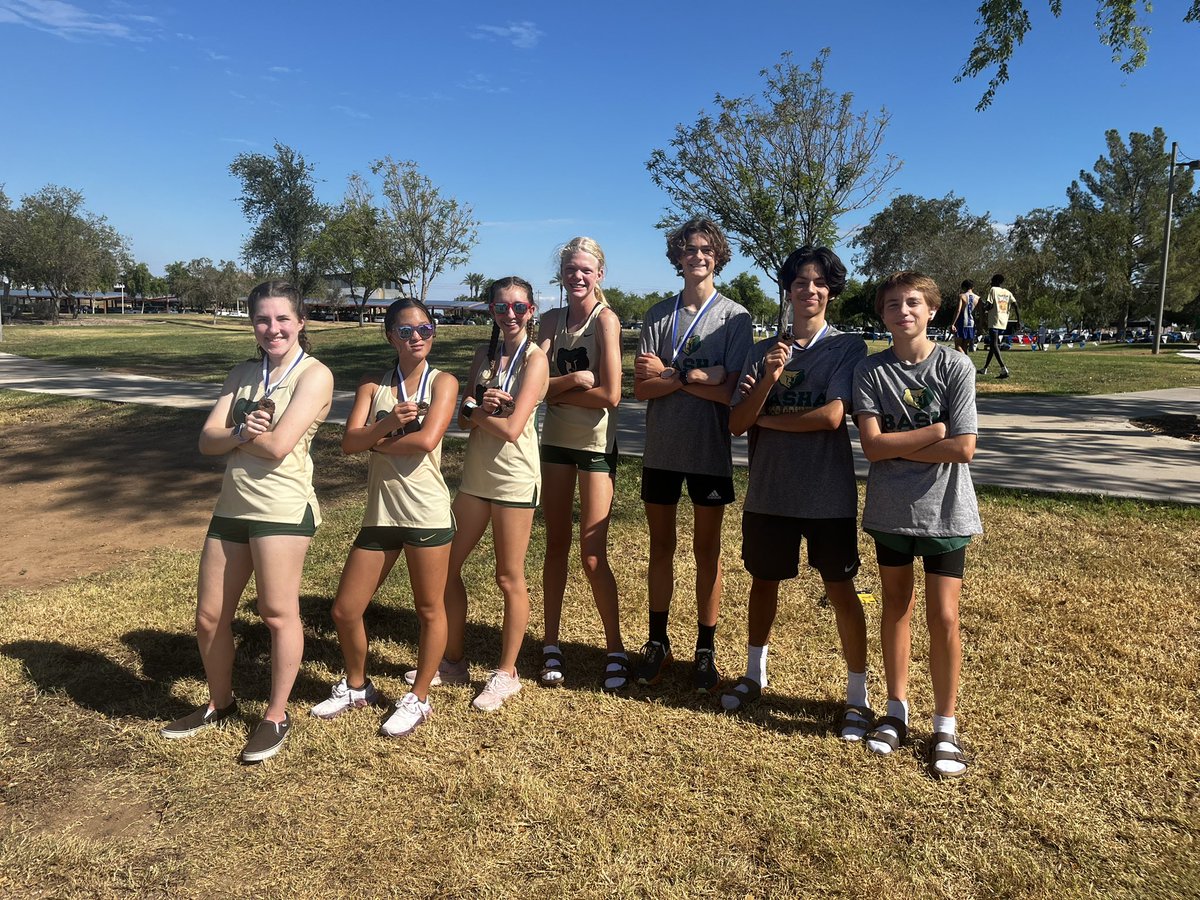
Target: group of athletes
704, 380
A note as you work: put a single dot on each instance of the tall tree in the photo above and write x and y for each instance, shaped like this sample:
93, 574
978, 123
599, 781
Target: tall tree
61, 247
434, 232
1004, 24
940, 237
777, 170
360, 244
1110, 233
279, 200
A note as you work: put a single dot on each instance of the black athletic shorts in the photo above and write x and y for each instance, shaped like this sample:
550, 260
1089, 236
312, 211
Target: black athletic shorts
666, 487
939, 556
771, 546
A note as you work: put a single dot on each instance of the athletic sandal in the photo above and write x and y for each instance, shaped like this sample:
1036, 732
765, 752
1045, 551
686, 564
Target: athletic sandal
616, 668
893, 741
744, 692
856, 722
552, 674
955, 755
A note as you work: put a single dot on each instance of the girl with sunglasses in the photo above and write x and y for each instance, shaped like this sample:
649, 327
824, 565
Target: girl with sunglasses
500, 483
399, 416
579, 441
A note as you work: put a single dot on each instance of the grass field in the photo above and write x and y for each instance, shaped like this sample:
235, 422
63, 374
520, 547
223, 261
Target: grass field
1080, 703
193, 348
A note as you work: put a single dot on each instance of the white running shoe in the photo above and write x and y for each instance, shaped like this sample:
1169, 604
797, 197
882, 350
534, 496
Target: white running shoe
499, 688
346, 698
409, 714
447, 673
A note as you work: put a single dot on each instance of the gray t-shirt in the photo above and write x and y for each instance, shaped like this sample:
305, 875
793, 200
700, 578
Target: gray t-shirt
917, 498
805, 474
685, 433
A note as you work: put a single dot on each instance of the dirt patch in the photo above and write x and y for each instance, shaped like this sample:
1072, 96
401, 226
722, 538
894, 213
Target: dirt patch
1184, 427
85, 486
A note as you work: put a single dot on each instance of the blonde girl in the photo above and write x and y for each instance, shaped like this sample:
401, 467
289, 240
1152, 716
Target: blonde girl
579, 445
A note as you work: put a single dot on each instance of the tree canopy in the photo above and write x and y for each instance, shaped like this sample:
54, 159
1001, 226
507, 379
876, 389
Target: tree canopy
940, 237
433, 232
1004, 24
52, 242
279, 200
777, 170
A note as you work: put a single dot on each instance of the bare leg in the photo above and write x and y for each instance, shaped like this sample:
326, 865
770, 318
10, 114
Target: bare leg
363, 573
427, 573
764, 602
471, 515
510, 531
660, 578
558, 496
851, 623
895, 628
595, 506
278, 566
706, 546
225, 568
942, 594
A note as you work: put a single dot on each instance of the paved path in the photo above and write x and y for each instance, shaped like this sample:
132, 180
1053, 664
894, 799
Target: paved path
1074, 444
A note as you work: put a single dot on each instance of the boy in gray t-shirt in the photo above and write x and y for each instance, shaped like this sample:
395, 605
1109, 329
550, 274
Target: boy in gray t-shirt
797, 391
691, 351
915, 409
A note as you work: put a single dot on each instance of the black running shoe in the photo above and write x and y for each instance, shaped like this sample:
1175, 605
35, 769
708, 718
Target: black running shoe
705, 677
656, 659
266, 740
198, 720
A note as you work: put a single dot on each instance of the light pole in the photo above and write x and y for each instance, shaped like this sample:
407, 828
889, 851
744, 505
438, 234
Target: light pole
1162, 286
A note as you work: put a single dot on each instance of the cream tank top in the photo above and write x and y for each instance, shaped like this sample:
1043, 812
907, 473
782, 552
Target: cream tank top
496, 469
575, 427
268, 490
405, 491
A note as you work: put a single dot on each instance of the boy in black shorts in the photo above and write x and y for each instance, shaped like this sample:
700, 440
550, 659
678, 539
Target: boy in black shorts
691, 350
795, 393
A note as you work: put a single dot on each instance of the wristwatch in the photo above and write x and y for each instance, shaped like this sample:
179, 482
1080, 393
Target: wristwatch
684, 375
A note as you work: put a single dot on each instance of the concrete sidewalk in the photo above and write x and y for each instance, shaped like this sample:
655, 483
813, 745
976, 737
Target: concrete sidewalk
1080, 444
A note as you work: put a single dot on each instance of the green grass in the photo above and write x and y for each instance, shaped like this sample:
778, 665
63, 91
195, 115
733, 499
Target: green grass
192, 348
1079, 706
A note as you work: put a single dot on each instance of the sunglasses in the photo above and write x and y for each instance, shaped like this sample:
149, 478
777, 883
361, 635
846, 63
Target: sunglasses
424, 331
502, 307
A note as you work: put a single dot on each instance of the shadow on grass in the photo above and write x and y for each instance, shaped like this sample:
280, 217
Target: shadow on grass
584, 667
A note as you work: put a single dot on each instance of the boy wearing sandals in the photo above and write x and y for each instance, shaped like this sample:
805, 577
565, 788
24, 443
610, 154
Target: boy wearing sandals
692, 349
914, 405
793, 399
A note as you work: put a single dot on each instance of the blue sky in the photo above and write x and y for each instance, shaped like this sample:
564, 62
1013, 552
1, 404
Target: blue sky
541, 116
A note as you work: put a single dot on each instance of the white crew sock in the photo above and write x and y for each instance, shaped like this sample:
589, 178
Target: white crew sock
949, 725
897, 709
756, 664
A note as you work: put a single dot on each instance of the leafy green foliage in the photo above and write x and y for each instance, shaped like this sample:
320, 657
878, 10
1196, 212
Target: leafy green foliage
1004, 24
746, 290
432, 232
778, 170
279, 201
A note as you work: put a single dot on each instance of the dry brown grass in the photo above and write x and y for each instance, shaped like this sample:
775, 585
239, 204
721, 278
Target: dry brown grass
1079, 706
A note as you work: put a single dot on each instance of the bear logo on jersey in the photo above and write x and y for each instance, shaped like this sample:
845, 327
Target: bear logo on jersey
569, 361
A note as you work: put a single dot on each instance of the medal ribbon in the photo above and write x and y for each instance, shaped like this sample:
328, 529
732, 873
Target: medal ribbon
507, 375
676, 342
421, 384
267, 389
